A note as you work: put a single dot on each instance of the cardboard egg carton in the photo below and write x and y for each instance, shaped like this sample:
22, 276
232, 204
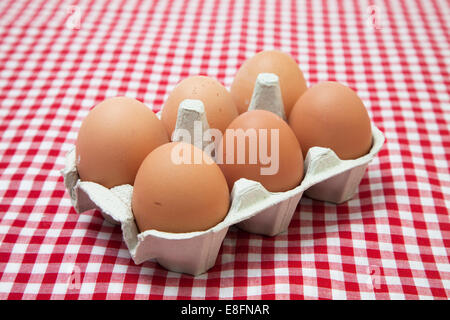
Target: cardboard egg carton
252, 208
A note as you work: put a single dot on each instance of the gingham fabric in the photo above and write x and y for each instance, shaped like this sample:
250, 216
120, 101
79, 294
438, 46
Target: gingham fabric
59, 59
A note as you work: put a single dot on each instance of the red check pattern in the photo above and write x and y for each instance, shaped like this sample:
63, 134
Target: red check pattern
60, 58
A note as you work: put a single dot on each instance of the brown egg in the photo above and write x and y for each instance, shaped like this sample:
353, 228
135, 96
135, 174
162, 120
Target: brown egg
274, 158
179, 197
219, 106
292, 82
331, 115
114, 139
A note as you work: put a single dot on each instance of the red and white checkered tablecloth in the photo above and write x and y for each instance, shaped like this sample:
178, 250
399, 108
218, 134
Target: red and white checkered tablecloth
60, 58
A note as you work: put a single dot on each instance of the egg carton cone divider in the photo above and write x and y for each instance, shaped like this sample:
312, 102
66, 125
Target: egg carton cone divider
267, 95
252, 207
191, 124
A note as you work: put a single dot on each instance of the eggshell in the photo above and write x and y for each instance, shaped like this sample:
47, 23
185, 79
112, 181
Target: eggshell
289, 171
292, 82
174, 196
331, 115
219, 105
114, 139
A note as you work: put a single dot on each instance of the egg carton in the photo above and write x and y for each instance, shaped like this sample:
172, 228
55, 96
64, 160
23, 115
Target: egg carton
252, 208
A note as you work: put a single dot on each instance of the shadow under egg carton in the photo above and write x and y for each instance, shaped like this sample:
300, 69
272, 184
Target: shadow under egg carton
253, 208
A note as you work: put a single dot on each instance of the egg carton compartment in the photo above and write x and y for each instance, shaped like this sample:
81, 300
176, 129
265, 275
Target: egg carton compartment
253, 208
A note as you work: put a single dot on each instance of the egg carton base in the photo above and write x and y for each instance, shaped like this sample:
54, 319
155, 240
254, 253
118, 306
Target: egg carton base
340, 188
253, 208
273, 220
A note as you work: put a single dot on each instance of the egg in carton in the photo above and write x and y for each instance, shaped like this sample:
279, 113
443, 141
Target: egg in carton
252, 208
